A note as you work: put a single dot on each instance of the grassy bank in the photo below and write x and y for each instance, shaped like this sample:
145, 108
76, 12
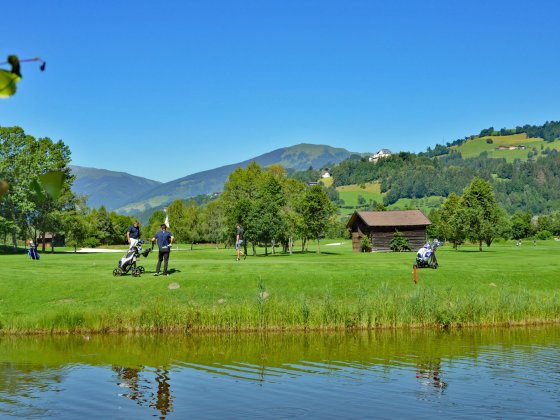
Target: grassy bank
66, 292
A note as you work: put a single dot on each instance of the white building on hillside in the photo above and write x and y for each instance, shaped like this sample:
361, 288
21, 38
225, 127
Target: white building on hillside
383, 153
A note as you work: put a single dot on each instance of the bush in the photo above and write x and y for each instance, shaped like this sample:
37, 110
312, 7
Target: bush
365, 244
489, 141
543, 235
91, 242
399, 242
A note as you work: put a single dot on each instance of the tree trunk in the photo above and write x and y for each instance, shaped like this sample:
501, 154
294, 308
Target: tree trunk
266, 250
480, 245
14, 239
318, 247
290, 244
254, 250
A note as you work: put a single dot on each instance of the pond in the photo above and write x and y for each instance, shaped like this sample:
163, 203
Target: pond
508, 373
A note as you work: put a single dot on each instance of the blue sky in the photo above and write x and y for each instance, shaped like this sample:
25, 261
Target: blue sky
163, 89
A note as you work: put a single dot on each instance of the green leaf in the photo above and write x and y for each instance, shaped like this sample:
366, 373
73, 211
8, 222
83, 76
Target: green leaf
8, 82
52, 183
36, 187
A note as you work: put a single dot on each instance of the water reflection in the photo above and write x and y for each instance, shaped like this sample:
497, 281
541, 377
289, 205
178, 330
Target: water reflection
428, 372
320, 374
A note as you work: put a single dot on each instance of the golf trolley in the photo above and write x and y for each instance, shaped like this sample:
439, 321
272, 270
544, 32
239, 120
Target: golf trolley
128, 262
426, 256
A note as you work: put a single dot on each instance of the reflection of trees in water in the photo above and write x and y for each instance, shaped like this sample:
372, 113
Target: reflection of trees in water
429, 373
140, 388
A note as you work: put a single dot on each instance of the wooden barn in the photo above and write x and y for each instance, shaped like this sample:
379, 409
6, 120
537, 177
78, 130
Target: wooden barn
380, 227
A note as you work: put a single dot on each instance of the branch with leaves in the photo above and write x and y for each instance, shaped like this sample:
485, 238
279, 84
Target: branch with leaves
9, 78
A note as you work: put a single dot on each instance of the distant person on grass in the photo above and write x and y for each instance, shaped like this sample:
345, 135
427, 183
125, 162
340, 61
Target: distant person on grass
133, 234
164, 240
239, 240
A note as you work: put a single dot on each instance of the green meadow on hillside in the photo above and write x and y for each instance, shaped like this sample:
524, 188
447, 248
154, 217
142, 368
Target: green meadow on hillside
474, 147
371, 191
209, 290
426, 204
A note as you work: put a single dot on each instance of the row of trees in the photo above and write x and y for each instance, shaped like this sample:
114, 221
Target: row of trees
476, 216
272, 208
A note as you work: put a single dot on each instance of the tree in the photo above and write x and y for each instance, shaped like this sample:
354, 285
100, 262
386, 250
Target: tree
75, 225
521, 226
265, 218
399, 242
450, 227
294, 192
317, 212
177, 219
480, 212
39, 180
193, 222
240, 191
214, 222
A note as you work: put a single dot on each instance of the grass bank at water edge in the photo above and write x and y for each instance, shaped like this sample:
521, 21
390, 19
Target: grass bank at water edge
337, 289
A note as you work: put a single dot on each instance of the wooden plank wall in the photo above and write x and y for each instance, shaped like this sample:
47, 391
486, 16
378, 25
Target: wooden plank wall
382, 237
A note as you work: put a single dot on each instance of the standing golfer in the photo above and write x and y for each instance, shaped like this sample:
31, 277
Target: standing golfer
133, 234
238, 240
164, 240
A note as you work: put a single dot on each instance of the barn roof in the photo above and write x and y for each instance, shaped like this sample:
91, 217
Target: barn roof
391, 218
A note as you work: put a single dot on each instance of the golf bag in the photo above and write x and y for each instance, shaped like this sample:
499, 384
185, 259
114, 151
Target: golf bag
426, 256
128, 261
32, 252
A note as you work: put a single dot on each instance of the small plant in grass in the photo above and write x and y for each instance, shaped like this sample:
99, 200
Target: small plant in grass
399, 242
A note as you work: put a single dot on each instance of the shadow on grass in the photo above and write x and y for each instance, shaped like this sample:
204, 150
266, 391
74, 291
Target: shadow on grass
286, 254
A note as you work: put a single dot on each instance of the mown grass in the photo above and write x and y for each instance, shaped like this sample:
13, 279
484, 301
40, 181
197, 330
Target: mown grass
338, 289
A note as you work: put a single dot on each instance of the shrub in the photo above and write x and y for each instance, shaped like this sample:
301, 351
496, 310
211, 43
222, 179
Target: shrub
543, 235
489, 141
91, 242
365, 244
399, 242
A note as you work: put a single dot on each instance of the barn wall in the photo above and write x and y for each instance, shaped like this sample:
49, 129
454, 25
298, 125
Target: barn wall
359, 229
382, 237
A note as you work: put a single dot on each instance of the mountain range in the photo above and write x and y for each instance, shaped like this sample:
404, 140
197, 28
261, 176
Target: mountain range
113, 189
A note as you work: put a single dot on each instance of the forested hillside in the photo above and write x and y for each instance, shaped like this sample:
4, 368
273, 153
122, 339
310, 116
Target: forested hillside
532, 185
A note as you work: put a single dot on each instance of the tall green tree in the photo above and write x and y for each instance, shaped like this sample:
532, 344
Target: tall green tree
214, 222
317, 211
238, 197
521, 226
451, 227
34, 196
480, 212
265, 218
294, 192
177, 219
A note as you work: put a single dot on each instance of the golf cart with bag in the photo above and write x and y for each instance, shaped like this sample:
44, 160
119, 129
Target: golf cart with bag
426, 256
128, 262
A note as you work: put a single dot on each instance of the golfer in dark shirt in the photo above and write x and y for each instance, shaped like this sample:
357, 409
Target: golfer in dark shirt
164, 240
133, 234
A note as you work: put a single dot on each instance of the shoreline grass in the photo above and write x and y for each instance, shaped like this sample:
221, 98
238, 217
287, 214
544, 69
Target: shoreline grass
336, 290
